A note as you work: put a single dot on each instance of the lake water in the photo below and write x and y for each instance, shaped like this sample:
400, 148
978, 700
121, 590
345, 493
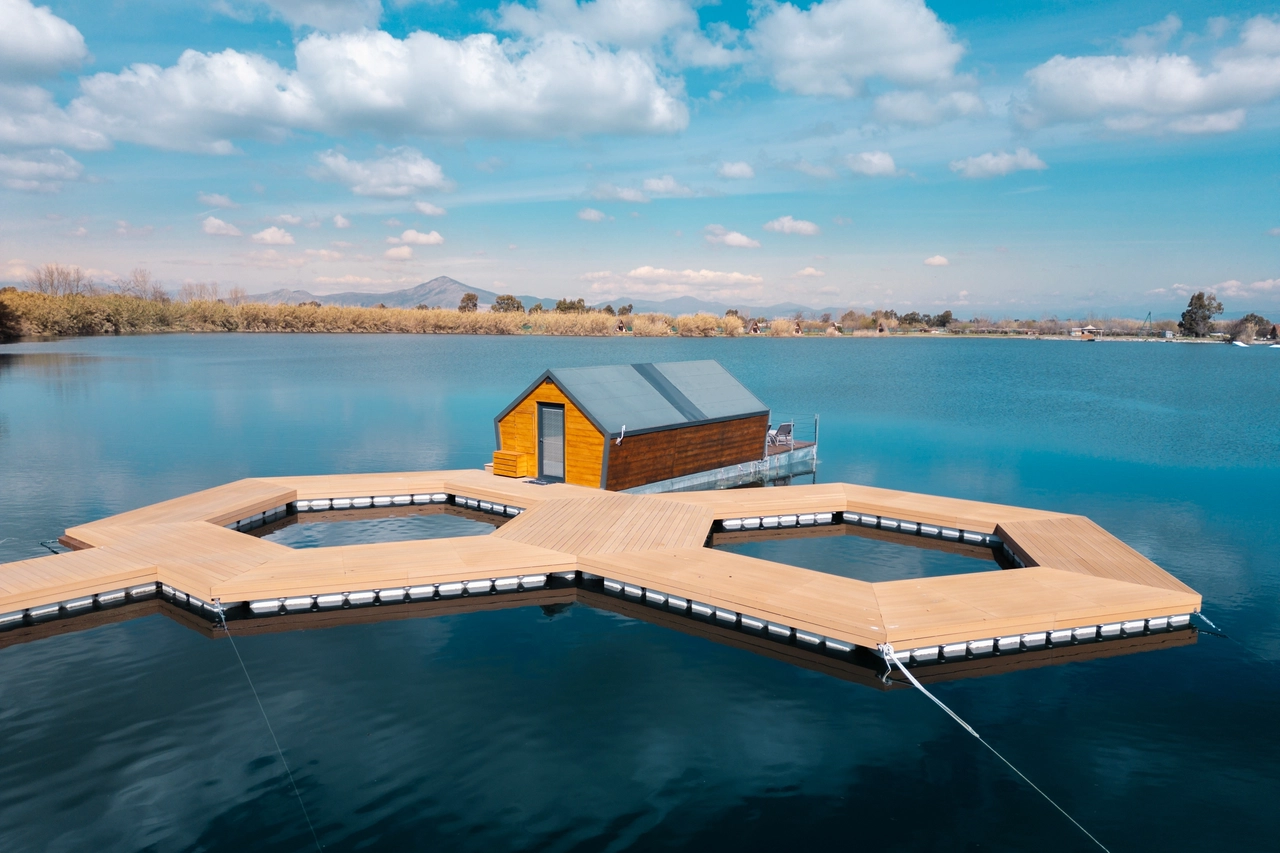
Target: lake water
580, 729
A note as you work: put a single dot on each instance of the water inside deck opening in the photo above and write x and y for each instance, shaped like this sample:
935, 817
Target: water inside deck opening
367, 527
855, 552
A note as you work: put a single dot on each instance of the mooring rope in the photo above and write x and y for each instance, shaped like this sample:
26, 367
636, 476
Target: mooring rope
267, 720
1221, 634
891, 661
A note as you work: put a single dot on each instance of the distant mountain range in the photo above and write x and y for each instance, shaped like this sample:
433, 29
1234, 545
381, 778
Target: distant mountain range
446, 292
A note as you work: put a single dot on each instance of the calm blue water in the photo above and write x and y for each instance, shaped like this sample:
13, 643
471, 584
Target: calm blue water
584, 730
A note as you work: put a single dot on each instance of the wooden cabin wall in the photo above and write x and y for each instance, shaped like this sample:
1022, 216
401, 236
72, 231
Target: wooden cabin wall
662, 455
583, 443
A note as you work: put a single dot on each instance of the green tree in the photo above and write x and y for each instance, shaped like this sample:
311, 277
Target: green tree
571, 306
608, 309
942, 320
1197, 320
469, 303
732, 312
624, 310
507, 304
9, 325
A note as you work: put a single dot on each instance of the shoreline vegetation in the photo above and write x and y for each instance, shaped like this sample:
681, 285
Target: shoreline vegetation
63, 302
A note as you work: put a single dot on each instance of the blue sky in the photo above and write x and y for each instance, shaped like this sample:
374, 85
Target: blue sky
1009, 159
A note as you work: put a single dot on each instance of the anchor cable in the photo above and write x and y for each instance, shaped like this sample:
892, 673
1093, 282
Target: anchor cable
891, 661
267, 720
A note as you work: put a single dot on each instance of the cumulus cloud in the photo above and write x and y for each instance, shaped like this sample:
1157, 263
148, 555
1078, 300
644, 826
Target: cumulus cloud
609, 192
833, 47
923, 109
38, 171
340, 221
813, 170
1274, 232
287, 219
400, 172
788, 225
996, 164
873, 164
666, 27
668, 186
327, 15
417, 238
36, 43
937, 261
324, 254
424, 84
214, 225
1147, 91
1153, 38
273, 236
1238, 290
216, 200
426, 208
590, 214
29, 116
739, 170
399, 253
720, 235
810, 272
648, 273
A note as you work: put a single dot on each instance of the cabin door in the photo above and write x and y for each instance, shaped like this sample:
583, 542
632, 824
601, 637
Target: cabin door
550, 442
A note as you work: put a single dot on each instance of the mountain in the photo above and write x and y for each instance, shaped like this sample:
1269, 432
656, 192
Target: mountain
447, 293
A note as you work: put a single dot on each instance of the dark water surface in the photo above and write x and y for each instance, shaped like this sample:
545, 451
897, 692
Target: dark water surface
583, 730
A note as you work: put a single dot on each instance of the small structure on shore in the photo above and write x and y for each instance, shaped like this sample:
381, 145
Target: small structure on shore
621, 426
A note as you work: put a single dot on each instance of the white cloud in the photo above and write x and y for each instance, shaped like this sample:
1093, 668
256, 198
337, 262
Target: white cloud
937, 261
668, 186
669, 28
38, 171
810, 272
124, 229
214, 225
788, 225
813, 170
648, 273
923, 109
287, 219
417, 238
36, 43
391, 222
590, 214
1274, 232
370, 81
400, 172
1144, 91
399, 253
273, 236
997, 164
609, 192
1153, 38
1237, 290
328, 15
340, 221
723, 236
426, 208
29, 116
834, 47
324, 254
272, 260
216, 200
739, 170
873, 164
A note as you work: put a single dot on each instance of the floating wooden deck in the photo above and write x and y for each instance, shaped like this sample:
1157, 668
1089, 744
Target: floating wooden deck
1074, 582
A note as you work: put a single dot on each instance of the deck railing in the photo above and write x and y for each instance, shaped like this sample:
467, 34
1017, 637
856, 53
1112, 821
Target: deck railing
804, 429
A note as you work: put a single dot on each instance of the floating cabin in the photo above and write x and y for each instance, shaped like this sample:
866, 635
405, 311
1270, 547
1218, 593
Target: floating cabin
620, 426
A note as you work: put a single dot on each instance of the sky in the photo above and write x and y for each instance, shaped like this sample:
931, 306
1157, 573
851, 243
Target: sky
1004, 159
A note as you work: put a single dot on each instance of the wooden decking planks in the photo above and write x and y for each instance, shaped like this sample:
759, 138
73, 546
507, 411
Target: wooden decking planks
1079, 575
1076, 544
609, 523
990, 604
390, 564
813, 601
59, 577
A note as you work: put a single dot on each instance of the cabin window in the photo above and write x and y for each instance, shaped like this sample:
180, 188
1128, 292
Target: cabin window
550, 442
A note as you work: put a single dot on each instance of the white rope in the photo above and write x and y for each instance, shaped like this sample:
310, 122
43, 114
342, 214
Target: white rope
267, 720
891, 661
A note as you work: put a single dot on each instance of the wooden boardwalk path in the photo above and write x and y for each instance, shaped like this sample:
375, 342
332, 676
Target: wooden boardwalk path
1074, 574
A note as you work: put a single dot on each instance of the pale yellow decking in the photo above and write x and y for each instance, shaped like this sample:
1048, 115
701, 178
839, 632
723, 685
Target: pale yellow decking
1077, 574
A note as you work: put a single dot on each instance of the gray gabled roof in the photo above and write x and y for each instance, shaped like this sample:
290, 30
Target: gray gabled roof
649, 397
